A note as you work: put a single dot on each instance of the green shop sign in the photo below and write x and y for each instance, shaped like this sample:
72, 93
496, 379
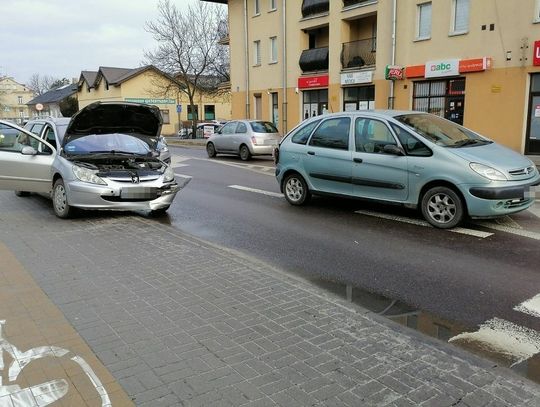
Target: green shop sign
152, 101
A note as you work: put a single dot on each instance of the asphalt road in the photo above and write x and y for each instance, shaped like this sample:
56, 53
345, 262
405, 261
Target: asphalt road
462, 278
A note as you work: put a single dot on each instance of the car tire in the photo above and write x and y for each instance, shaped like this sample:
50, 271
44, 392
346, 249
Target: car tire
296, 190
245, 154
159, 212
22, 193
211, 150
61, 207
442, 207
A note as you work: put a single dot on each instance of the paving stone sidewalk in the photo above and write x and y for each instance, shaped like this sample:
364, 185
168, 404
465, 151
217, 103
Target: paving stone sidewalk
178, 321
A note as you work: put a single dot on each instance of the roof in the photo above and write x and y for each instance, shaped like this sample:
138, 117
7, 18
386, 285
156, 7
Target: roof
55, 95
113, 75
89, 77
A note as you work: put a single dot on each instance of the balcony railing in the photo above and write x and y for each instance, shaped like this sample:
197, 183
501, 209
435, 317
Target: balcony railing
350, 3
313, 7
314, 59
356, 54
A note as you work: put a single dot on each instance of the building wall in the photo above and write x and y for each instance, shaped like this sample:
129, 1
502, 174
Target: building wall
496, 99
148, 87
11, 108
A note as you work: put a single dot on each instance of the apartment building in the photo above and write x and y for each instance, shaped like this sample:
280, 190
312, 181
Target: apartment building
474, 62
13, 99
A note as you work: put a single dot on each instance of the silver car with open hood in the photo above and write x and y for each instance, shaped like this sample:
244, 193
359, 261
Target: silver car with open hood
107, 159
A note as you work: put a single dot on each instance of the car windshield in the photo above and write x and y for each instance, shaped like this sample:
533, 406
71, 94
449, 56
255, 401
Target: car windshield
440, 131
263, 127
107, 143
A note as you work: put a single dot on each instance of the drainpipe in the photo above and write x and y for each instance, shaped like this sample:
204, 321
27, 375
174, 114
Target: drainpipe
246, 45
394, 23
284, 31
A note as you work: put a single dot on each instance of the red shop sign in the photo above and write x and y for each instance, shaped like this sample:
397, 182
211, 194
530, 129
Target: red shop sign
312, 81
536, 55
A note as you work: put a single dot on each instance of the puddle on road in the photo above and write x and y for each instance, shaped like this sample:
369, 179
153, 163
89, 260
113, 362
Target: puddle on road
433, 326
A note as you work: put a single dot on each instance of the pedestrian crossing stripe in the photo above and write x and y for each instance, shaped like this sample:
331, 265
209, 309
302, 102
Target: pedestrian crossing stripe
531, 307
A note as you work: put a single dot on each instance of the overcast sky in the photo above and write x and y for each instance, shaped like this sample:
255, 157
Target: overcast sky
64, 37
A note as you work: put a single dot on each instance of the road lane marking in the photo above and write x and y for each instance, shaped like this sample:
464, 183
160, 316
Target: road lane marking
514, 231
531, 306
257, 191
516, 342
418, 222
183, 176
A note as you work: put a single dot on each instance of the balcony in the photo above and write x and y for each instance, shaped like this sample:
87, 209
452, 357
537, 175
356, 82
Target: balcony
352, 3
314, 7
358, 54
314, 59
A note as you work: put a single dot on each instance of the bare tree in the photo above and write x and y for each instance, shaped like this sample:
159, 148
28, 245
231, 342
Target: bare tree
40, 83
188, 49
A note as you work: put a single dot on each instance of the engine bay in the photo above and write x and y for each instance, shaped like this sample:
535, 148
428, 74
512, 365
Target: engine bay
116, 165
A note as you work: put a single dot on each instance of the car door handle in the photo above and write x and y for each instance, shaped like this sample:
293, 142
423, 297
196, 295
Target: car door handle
311, 152
357, 160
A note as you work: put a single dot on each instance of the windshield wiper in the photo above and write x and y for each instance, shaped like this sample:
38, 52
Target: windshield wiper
115, 152
469, 141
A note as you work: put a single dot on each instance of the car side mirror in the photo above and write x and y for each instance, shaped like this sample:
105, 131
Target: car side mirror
393, 149
28, 150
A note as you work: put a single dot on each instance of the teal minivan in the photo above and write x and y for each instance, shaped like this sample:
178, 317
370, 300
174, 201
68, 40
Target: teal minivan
413, 158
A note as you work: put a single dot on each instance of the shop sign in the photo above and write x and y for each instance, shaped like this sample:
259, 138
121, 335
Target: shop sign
474, 65
445, 67
394, 72
353, 78
536, 55
152, 101
312, 81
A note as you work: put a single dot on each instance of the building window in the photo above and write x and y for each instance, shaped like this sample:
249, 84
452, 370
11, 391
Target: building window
273, 50
256, 52
359, 98
165, 116
258, 106
273, 5
445, 98
20, 99
460, 17
257, 7
423, 28
536, 17
192, 116
209, 112
275, 109
314, 102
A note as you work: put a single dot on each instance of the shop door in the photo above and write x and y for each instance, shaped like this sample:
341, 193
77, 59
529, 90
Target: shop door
455, 106
532, 144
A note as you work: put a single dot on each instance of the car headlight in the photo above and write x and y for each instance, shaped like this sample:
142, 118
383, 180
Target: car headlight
87, 175
164, 149
488, 172
168, 175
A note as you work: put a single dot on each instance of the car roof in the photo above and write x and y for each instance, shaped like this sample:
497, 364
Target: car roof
55, 120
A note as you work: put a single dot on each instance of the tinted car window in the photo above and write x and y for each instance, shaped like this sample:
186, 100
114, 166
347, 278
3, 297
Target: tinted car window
263, 127
372, 135
14, 140
302, 134
411, 144
36, 128
241, 128
332, 133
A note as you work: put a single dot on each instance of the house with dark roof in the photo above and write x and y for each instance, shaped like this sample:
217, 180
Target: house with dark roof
147, 84
49, 103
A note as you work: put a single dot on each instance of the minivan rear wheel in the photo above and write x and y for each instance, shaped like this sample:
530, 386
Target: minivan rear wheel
442, 207
296, 190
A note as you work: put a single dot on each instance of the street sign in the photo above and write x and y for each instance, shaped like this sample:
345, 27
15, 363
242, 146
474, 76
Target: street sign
178, 108
39, 107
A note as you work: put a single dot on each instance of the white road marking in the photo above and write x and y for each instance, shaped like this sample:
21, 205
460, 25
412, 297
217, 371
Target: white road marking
516, 342
183, 176
418, 222
257, 191
503, 228
179, 165
531, 307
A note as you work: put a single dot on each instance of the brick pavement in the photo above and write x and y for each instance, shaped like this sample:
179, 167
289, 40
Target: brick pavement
179, 321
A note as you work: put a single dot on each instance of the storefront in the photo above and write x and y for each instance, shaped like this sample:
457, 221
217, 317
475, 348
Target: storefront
358, 90
532, 139
314, 95
439, 87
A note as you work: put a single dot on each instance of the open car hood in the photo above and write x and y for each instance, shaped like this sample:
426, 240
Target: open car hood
138, 120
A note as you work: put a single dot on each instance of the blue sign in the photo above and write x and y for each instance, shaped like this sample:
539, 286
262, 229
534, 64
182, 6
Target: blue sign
178, 108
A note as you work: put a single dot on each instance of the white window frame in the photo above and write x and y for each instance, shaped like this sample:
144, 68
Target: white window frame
273, 5
536, 17
419, 8
256, 53
256, 7
453, 30
273, 50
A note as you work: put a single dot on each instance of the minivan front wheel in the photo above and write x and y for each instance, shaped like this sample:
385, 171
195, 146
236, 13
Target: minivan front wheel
61, 207
296, 190
442, 207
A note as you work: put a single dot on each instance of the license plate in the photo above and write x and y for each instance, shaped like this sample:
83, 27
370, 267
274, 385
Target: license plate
138, 193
